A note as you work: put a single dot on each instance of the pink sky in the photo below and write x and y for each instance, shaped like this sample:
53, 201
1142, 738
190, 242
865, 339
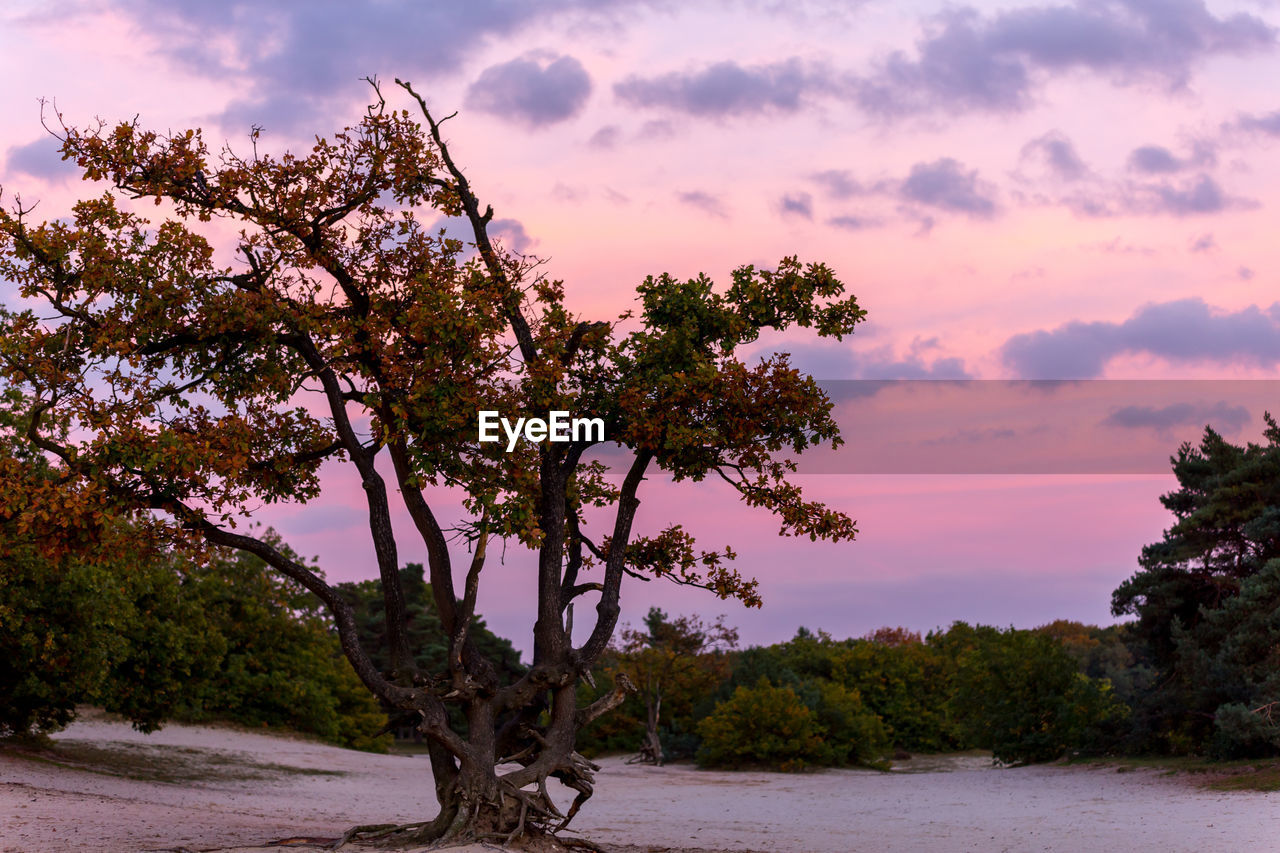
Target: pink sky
1014, 190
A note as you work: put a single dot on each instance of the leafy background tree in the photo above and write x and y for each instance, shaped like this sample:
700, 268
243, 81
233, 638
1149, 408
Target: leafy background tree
1205, 599
674, 663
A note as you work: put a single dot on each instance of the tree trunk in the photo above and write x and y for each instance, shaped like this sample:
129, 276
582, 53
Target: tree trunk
651, 747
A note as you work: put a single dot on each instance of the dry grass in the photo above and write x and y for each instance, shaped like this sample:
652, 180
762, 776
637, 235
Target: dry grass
1241, 775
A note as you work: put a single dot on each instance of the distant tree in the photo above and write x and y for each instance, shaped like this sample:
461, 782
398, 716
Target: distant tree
1205, 598
180, 388
673, 660
1019, 694
279, 662
428, 642
761, 726
153, 637
774, 726
110, 624
77, 631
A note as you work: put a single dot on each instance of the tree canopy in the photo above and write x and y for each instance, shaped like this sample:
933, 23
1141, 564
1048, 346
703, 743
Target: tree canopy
1207, 602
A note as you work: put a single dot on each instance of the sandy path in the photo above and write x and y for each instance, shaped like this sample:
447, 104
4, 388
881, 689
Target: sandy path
236, 789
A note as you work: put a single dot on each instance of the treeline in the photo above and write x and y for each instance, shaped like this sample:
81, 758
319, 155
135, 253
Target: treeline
816, 700
159, 638
1196, 671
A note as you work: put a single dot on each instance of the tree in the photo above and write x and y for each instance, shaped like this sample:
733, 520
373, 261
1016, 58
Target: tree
672, 658
180, 390
1205, 598
153, 637
1019, 694
276, 661
428, 642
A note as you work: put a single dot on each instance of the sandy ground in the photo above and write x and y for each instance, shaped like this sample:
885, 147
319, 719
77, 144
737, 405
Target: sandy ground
203, 788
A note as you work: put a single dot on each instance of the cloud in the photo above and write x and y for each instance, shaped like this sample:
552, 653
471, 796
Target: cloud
1204, 243
837, 361
656, 129
532, 90
1185, 330
723, 89
707, 203
853, 223
1225, 417
1158, 160
1190, 195
1202, 195
1058, 153
510, 232
970, 61
296, 60
1153, 159
39, 158
945, 184
605, 137
837, 183
796, 204
1267, 124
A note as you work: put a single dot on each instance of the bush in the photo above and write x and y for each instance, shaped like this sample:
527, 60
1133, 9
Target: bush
851, 734
1239, 732
1020, 695
762, 725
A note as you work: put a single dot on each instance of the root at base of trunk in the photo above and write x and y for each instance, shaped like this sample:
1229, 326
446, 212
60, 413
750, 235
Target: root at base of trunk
523, 819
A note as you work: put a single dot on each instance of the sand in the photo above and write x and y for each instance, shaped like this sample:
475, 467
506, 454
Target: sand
217, 788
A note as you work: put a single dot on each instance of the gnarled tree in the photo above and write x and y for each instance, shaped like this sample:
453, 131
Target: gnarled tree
180, 388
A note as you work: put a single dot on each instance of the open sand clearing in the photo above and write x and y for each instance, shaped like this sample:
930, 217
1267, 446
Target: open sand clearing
207, 788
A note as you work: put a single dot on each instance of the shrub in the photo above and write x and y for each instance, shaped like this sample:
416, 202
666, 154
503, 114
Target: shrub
762, 725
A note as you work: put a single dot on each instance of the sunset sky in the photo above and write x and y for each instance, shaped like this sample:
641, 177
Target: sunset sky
1078, 190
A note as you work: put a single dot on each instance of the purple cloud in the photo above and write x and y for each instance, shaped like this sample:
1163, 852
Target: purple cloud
707, 203
968, 61
1153, 160
298, 59
853, 223
605, 137
838, 183
510, 232
947, 185
1224, 416
1158, 160
1204, 243
832, 361
1058, 154
39, 158
1203, 195
723, 89
796, 204
1185, 330
1267, 123
531, 90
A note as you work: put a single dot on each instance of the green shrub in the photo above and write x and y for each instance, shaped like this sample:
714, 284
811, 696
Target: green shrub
762, 725
1238, 732
851, 734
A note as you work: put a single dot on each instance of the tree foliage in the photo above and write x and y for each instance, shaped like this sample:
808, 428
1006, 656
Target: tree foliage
153, 638
1207, 602
762, 725
179, 386
1021, 695
673, 663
